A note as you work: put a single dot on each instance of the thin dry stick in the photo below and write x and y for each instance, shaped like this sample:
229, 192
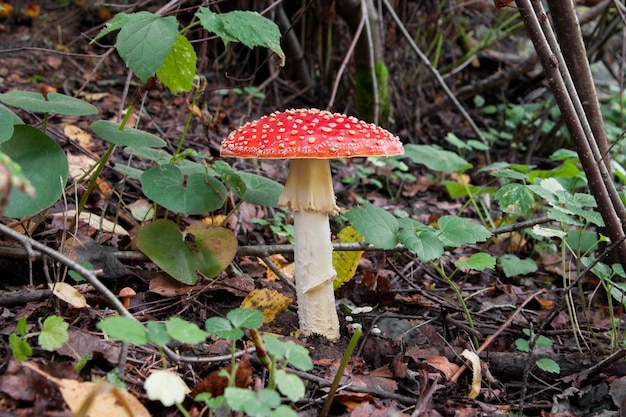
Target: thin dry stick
492, 337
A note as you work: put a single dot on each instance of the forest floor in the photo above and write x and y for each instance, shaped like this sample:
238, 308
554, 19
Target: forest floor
413, 356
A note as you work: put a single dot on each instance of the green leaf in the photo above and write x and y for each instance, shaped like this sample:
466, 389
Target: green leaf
157, 333
376, 225
478, 262
245, 318
21, 326
425, 244
166, 186
53, 333
522, 345
129, 136
44, 165
290, 385
436, 158
20, 349
204, 248
114, 24
548, 365
145, 40
297, 356
515, 198
456, 231
78, 277
259, 190
543, 341
223, 328
7, 120
124, 329
513, 266
179, 67
249, 28
184, 331
254, 403
55, 103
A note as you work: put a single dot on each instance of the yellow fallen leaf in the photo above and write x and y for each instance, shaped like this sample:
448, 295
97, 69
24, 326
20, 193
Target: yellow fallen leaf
476, 372
346, 262
286, 268
68, 294
95, 399
269, 302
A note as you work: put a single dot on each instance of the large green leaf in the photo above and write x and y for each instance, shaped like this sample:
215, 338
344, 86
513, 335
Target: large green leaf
425, 244
179, 67
456, 231
515, 198
43, 163
7, 120
249, 28
129, 136
145, 40
166, 185
260, 190
376, 225
204, 248
55, 103
436, 158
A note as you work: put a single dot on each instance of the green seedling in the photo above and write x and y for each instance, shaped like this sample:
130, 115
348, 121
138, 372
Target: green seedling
545, 364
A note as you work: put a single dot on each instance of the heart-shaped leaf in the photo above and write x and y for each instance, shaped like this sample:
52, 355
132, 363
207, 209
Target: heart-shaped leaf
166, 185
204, 248
43, 163
55, 103
129, 136
7, 120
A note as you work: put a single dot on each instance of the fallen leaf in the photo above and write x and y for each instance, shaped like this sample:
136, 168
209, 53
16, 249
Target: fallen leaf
288, 269
69, 294
476, 372
267, 301
441, 363
96, 399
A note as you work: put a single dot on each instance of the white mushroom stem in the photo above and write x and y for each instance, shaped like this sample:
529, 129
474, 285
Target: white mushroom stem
309, 193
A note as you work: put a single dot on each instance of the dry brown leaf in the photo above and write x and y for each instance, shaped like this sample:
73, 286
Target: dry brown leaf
441, 363
476, 372
99, 399
69, 294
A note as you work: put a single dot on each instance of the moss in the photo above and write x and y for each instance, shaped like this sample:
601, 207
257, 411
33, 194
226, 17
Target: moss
364, 95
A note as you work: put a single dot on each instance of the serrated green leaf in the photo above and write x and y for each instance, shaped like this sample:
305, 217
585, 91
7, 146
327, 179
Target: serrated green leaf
114, 24
247, 27
144, 41
513, 266
376, 225
223, 328
515, 198
274, 346
522, 345
290, 385
184, 331
124, 329
425, 244
456, 231
53, 333
297, 356
179, 66
20, 349
478, 262
157, 333
436, 158
245, 318
548, 365
543, 341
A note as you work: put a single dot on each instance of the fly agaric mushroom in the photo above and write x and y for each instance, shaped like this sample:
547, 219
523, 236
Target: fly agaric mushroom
309, 138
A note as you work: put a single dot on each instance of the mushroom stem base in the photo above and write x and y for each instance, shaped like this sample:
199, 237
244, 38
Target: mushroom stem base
315, 275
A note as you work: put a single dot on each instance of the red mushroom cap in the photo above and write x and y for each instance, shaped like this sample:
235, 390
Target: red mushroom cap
310, 133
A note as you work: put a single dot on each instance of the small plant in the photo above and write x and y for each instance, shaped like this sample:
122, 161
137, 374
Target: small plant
52, 336
545, 364
275, 354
